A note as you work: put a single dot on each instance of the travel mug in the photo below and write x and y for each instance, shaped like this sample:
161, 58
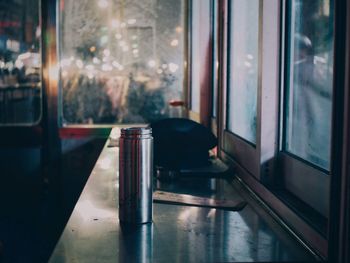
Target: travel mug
135, 175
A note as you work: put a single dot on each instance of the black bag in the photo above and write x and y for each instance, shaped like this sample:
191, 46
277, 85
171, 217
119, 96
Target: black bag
181, 143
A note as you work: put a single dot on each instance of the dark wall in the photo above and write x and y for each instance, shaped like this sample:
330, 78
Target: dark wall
34, 205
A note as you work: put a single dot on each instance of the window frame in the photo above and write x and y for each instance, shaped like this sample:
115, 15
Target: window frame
205, 75
339, 226
29, 134
292, 167
240, 150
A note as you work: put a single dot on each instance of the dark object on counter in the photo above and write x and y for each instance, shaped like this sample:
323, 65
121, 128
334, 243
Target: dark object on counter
135, 175
190, 200
181, 143
215, 168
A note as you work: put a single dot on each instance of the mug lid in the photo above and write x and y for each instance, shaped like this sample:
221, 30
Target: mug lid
134, 131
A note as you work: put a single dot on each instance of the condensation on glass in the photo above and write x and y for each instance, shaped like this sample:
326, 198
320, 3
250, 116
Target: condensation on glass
308, 105
120, 61
20, 63
243, 68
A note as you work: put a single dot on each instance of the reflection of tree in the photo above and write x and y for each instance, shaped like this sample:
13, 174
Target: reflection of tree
146, 103
85, 102
100, 100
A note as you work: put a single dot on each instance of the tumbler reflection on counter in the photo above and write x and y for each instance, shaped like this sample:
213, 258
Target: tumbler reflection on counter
136, 243
135, 175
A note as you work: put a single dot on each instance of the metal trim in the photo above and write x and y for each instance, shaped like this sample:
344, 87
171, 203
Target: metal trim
223, 61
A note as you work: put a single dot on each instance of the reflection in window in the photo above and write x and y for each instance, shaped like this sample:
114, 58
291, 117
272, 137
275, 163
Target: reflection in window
20, 63
120, 61
309, 86
243, 75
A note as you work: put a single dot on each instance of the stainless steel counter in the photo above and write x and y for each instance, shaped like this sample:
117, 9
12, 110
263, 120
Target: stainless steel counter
178, 233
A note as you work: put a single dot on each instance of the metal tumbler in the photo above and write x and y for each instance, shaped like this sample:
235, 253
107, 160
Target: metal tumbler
135, 175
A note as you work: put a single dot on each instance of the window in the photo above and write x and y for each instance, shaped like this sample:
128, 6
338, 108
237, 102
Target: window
120, 61
20, 63
307, 113
251, 134
244, 61
278, 99
308, 105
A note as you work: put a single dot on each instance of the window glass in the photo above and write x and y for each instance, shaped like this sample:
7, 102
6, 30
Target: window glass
120, 61
243, 68
308, 113
20, 63
196, 60
215, 32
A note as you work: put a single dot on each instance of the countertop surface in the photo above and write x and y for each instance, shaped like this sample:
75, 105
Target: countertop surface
178, 233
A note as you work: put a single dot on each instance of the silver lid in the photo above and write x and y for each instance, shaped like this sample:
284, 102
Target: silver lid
136, 131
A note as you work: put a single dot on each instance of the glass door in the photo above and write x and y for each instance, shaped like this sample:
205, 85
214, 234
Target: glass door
307, 105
